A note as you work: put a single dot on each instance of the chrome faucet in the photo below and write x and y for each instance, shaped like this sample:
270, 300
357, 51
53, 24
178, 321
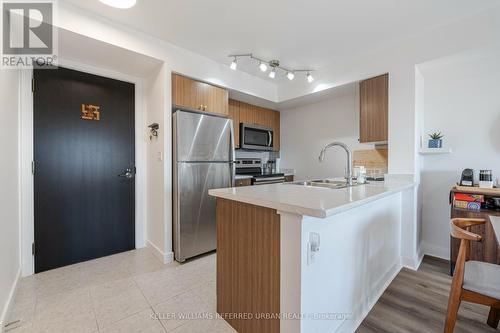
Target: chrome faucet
348, 175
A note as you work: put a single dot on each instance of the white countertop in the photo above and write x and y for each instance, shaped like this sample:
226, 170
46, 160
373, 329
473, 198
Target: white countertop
311, 201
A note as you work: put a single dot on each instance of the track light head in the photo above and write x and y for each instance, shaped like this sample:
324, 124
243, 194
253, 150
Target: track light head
263, 66
310, 78
272, 73
290, 76
234, 65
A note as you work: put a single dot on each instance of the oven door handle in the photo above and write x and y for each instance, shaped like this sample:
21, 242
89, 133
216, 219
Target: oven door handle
270, 182
279, 179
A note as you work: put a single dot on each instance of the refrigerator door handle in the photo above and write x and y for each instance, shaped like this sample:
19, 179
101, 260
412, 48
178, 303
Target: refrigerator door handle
232, 145
233, 155
232, 166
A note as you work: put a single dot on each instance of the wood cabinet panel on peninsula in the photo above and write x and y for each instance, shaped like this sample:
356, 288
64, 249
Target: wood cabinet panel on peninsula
198, 95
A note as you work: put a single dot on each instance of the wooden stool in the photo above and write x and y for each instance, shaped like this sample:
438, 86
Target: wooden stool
473, 281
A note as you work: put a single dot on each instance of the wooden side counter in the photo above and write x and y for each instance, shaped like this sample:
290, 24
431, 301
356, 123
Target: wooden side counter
487, 250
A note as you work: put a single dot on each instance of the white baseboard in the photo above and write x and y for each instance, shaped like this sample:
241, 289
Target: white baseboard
10, 302
436, 251
413, 263
164, 257
362, 310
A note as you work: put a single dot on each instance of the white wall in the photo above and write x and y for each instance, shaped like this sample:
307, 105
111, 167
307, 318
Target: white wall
9, 187
462, 100
159, 236
305, 130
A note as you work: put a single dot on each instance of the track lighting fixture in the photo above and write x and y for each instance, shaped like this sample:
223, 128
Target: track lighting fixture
275, 67
234, 65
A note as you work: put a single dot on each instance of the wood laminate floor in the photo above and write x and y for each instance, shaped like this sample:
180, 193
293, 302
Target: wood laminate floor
416, 301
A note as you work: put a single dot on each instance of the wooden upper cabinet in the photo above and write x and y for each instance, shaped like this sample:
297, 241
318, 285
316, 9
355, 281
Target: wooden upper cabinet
277, 134
234, 114
374, 109
198, 95
248, 113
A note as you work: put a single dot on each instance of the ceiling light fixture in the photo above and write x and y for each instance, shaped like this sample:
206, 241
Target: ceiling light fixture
122, 4
274, 64
234, 65
263, 66
310, 78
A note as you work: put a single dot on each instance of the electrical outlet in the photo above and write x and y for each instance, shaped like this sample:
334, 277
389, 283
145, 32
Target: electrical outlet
312, 247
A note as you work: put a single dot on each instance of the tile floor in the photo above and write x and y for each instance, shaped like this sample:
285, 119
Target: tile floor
127, 292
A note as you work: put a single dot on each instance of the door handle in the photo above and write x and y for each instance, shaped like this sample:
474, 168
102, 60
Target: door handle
127, 174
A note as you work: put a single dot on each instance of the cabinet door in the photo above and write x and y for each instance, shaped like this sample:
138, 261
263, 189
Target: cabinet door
247, 113
234, 114
185, 92
197, 95
216, 100
276, 128
374, 109
243, 182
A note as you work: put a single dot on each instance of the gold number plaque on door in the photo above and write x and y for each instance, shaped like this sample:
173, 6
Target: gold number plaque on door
91, 112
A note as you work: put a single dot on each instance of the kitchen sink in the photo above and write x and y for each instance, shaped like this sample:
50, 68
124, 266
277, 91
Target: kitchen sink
328, 183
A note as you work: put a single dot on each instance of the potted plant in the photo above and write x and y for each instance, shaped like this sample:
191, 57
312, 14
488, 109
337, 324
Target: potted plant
436, 140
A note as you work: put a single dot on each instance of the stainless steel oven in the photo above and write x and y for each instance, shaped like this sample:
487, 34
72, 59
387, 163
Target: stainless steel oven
256, 137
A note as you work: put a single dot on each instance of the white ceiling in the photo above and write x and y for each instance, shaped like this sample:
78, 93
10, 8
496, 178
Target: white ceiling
301, 34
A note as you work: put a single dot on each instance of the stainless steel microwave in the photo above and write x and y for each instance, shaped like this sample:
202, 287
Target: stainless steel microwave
256, 137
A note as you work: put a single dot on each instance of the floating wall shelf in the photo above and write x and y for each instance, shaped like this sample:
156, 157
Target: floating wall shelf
434, 151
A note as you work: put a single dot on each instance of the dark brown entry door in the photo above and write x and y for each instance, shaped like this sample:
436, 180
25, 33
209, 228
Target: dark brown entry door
83, 208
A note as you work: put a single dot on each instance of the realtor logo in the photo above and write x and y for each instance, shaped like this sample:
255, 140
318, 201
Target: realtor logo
28, 34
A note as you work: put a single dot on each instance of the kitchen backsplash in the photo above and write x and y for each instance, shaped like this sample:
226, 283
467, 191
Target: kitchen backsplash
374, 160
263, 155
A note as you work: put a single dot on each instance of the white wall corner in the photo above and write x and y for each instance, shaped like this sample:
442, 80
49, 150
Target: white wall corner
164, 257
412, 263
10, 302
436, 250
290, 270
360, 313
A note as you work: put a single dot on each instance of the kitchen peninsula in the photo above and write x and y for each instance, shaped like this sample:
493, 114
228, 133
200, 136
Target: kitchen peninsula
300, 258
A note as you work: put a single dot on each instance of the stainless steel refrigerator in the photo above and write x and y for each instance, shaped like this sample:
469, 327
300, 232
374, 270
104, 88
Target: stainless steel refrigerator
203, 159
